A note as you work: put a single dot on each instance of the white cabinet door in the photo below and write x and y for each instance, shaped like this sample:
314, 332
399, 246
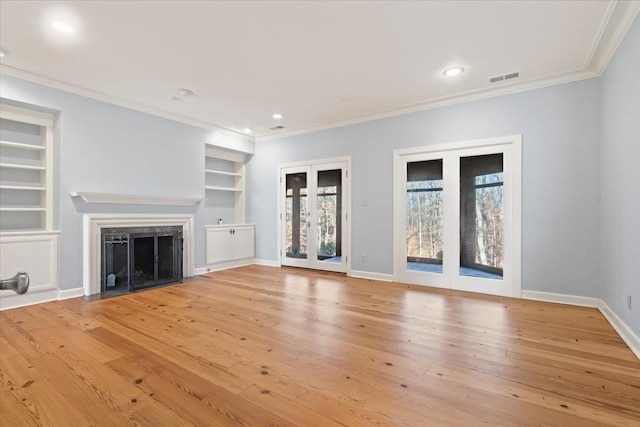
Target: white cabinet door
218, 245
243, 242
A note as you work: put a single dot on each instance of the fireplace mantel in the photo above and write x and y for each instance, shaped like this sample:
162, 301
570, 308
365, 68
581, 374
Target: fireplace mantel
134, 199
92, 248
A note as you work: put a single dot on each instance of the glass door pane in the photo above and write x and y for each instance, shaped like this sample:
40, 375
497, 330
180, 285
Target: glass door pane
166, 261
143, 261
116, 263
329, 216
481, 216
425, 216
296, 210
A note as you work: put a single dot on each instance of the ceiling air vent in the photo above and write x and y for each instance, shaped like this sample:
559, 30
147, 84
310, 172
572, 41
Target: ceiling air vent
497, 79
277, 127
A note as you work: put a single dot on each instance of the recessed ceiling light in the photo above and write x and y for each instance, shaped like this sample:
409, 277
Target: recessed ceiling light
277, 116
3, 53
247, 130
452, 72
181, 94
185, 93
62, 27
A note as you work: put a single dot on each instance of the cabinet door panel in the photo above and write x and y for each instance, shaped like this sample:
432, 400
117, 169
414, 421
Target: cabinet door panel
243, 243
218, 245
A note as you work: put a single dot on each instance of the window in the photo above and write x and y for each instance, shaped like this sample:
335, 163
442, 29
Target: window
329, 208
481, 215
425, 216
296, 212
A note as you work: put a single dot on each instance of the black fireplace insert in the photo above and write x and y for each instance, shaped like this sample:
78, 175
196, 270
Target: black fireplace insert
141, 257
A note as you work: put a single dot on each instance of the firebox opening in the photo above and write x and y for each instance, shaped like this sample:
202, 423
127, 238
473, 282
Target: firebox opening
135, 258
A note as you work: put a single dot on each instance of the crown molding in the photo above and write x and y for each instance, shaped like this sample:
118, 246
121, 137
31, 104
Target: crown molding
474, 95
99, 96
615, 24
619, 17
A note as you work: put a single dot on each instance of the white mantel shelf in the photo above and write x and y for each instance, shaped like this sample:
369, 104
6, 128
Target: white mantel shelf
134, 199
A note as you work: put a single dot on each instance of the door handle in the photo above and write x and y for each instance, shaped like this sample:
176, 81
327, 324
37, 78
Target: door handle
18, 283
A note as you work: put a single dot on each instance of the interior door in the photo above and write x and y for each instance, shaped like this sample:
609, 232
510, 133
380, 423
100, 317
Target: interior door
313, 211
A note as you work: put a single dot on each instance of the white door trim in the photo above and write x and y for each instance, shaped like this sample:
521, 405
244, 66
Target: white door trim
513, 169
346, 244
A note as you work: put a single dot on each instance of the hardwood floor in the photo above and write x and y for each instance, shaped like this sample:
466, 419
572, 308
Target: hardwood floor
262, 346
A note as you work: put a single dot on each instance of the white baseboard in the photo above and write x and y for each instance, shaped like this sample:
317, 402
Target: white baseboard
9, 301
561, 298
71, 293
625, 332
16, 301
223, 266
233, 264
200, 271
373, 276
267, 262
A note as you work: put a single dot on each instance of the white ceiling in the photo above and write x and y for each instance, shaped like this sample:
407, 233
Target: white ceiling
320, 64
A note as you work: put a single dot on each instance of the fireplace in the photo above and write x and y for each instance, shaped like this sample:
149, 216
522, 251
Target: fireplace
135, 258
128, 234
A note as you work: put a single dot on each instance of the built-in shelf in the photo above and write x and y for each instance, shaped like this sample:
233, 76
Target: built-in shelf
29, 135
25, 167
22, 146
8, 209
224, 185
217, 172
134, 199
213, 187
21, 187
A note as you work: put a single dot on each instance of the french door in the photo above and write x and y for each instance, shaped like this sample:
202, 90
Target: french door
457, 216
313, 216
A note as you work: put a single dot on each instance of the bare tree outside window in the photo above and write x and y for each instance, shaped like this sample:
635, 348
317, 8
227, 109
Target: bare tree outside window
425, 214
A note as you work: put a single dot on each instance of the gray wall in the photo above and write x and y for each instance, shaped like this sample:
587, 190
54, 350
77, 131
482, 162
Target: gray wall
620, 195
560, 217
102, 147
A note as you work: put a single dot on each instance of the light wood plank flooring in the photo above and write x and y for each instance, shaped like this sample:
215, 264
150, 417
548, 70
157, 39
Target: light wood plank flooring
261, 346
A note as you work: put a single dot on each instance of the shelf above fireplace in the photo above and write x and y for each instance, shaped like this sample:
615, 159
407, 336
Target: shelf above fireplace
134, 199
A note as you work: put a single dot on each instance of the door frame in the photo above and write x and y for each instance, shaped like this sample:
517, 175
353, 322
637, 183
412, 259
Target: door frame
346, 188
512, 168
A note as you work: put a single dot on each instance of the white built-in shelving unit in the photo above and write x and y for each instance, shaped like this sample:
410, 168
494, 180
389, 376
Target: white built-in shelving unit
28, 242
26, 170
224, 185
229, 242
